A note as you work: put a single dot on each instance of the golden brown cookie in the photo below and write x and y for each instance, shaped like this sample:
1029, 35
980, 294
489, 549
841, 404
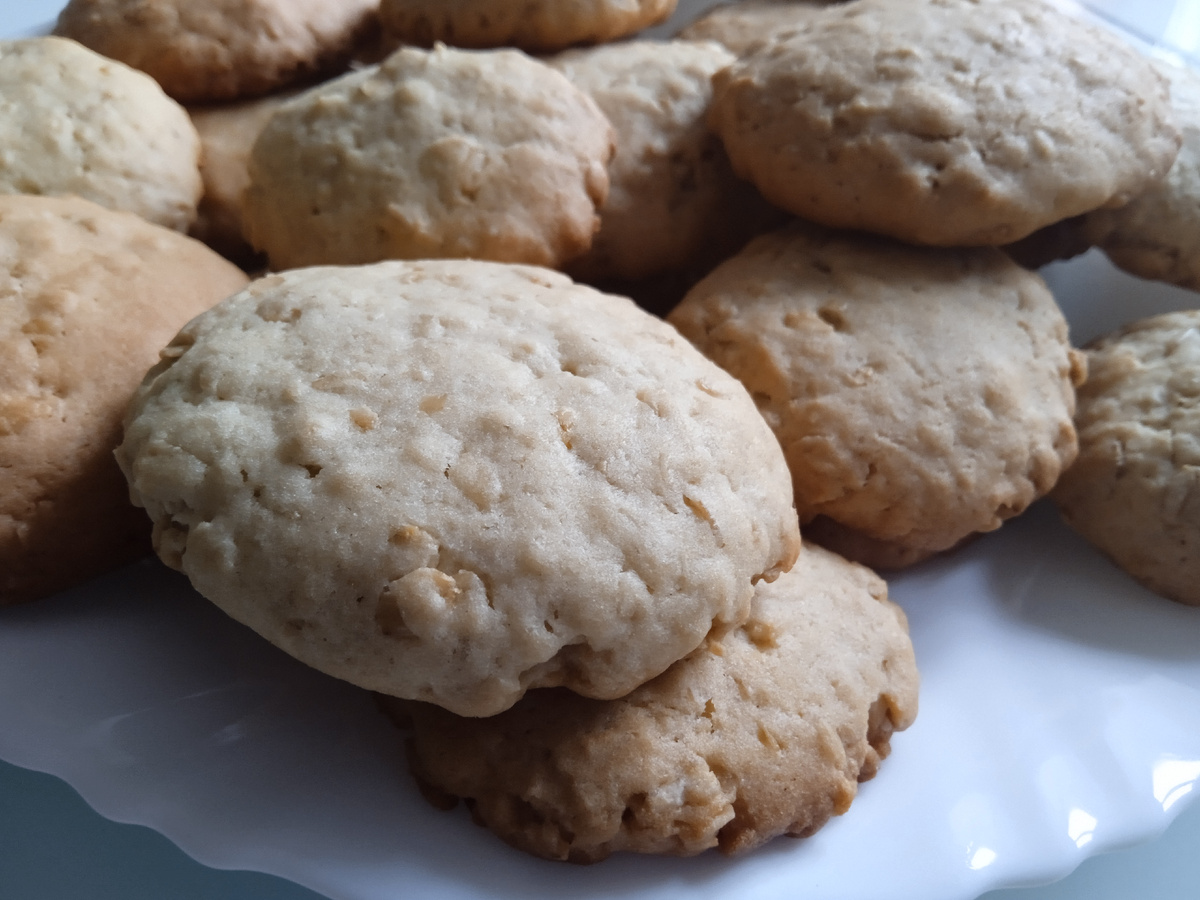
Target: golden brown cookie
921, 395
766, 729
945, 122
442, 153
75, 123
453, 480
227, 135
87, 298
540, 26
673, 201
1134, 491
221, 49
740, 25
1157, 233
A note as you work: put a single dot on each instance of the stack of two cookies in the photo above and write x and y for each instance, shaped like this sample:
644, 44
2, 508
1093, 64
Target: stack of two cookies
543, 521
922, 384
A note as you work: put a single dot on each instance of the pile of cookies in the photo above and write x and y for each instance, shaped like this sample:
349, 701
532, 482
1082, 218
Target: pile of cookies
426, 450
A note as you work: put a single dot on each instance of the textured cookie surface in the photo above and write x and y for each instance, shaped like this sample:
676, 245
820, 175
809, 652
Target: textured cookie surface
1134, 491
87, 299
453, 480
443, 153
220, 49
73, 122
920, 394
534, 25
1157, 234
948, 122
673, 199
764, 730
227, 135
738, 26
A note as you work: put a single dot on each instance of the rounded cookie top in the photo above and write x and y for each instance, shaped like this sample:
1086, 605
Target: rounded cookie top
220, 49
673, 199
739, 26
73, 122
948, 122
1134, 491
413, 159
454, 480
764, 730
1157, 233
534, 25
920, 394
88, 296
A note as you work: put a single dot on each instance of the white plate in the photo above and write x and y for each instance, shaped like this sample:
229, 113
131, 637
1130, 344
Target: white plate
1060, 717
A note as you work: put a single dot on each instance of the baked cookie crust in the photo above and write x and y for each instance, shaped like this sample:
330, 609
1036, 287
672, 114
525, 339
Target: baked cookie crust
673, 201
1134, 491
442, 153
538, 26
221, 49
75, 123
88, 297
920, 395
764, 730
452, 481
946, 122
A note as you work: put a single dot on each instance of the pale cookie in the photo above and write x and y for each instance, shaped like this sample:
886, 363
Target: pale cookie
87, 298
73, 122
766, 729
534, 25
227, 135
945, 122
443, 153
739, 26
1157, 234
453, 480
920, 395
221, 49
1134, 491
673, 200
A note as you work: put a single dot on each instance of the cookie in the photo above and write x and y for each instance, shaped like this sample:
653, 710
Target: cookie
73, 122
221, 49
1134, 491
412, 160
1157, 234
227, 135
764, 730
947, 122
740, 25
920, 394
452, 480
87, 298
535, 25
673, 201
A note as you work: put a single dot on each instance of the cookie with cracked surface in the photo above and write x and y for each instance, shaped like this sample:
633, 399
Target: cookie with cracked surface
222, 49
947, 122
73, 122
920, 394
1134, 490
227, 135
444, 153
764, 730
452, 480
739, 26
540, 26
88, 296
673, 200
